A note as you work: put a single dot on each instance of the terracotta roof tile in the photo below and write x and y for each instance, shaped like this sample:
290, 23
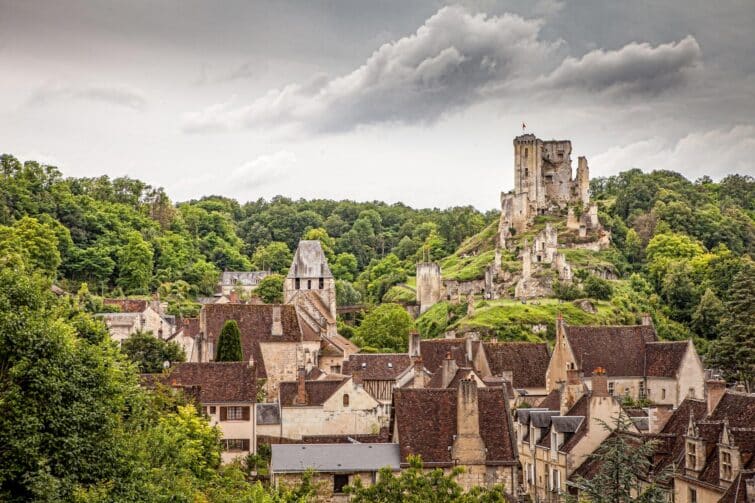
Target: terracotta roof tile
378, 366
434, 351
128, 305
528, 362
663, 359
737, 407
618, 349
218, 381
317, 391
552, 401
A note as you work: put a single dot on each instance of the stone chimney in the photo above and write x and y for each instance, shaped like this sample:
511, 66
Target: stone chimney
468, 348
301, 388
419, 373
356, 376
233, 297
599, 383
448, 370
468, 447
646, 319
573, 377
658, 416
571, 390
715, 389
414, 344
276, 327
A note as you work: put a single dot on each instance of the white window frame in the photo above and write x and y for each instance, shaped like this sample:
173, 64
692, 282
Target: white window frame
235, 413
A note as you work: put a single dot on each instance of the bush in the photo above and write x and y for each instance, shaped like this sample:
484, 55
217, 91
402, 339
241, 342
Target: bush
566, 291
270, 289
598, 288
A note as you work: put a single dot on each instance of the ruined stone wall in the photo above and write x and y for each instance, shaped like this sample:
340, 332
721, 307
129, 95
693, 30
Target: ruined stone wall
429, 285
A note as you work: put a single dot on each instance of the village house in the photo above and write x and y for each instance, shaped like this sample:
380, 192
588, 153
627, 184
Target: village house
464, 426
334, 465
379, 373
136, 315
241, 282
637, 364
554, 441
187, 336
226, 395
272, 336
328, 407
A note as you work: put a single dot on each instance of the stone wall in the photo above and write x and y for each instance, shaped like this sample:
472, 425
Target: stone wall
429, 288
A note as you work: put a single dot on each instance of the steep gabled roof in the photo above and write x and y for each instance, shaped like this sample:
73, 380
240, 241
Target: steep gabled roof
671, 437
552, 401
434, 351
426, 424
737, 491
309, 261
618, 349
318, 392
218, 381
128, 305
378, 366
528, 362
663, 359
736, 407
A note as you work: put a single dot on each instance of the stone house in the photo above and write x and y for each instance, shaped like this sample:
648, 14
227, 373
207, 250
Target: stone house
636, 363
311, 286
187, 336
272, 336
554, 442
136, 315
465, 426
334, 465
379, 373
335, 351
227, 395
717, 462
244, 282
328, 407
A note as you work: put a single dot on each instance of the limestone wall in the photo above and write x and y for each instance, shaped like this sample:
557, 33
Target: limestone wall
429, 289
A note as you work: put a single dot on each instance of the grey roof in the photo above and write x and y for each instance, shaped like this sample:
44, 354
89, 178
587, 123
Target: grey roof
242, 278
330, 458
268, 413
542, 418
523, 415
642, 423
566, 424
309, 261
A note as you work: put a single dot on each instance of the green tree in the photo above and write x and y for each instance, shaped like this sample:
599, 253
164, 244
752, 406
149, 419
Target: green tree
633, 247
149, 353
35, 242
344, 267
707, 315
623, 460
229, 343
734, 351
275, 257
327, 242
135, 264
346, 294
270, 289
597, 288
386, 327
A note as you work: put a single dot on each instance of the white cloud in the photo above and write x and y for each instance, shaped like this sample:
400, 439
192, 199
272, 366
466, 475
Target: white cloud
263, 170
715, 153
633, 69
103, 93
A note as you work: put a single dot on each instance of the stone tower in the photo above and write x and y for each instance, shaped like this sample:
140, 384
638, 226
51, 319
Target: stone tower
429, 285
310, 286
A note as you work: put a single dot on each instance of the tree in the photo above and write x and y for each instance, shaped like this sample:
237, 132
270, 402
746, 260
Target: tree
707, 315
386, 327
346, 294
327, 242
597, 288
229, 343
135, 264
35, 242
270, 289
415, 484
149, 353
275, 257
622, 459
734, 351
344, 267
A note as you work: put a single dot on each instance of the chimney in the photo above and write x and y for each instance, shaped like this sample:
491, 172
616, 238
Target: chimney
301, 389
356, 376
414, 344
599, 382
448, 370
233, 297
468, 348
658, 416
646, 319
715, 389
573, 377
419, 373
468, 447
276, 327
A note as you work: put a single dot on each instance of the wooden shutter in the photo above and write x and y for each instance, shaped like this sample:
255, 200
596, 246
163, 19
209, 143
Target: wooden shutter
245, 414
224, 413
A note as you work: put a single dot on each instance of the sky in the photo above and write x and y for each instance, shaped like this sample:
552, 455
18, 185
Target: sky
416, 102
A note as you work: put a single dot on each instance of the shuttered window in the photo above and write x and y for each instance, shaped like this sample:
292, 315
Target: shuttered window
236, 413
236, 444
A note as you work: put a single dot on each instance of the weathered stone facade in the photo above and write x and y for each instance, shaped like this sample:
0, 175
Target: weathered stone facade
429, 287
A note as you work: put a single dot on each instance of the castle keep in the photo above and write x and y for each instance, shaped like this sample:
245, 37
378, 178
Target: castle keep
543, 182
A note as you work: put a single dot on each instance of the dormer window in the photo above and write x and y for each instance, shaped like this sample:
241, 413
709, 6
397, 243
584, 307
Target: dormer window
726, 466
554, 441
691, 455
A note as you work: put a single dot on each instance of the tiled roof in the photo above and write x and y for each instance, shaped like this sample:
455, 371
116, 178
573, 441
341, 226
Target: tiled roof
580, 408
528, 362
317, 391
378, 366
426, 423
255, 323
309, 261
434, 351
552, 401
218, 381
367, 438
663, 359
737, 491
618, 349
128, 305
736, 407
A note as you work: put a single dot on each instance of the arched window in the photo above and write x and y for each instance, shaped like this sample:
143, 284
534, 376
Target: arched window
345, 400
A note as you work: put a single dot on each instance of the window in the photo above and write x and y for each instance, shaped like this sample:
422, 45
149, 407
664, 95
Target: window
236, 444
642, 389
726, 469
297, 284
691, 393
554, 440
691, 455
526, 152
309, 284
345, 400
555, 480
526, 172
663, 393
692, 495
335, 369
236, 413
321, 283
212, 409
340, 481
610, 388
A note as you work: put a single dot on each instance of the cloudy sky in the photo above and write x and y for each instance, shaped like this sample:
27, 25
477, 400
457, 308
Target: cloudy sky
392, 100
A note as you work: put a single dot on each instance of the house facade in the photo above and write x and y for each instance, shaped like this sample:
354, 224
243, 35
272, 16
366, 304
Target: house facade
136, 315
